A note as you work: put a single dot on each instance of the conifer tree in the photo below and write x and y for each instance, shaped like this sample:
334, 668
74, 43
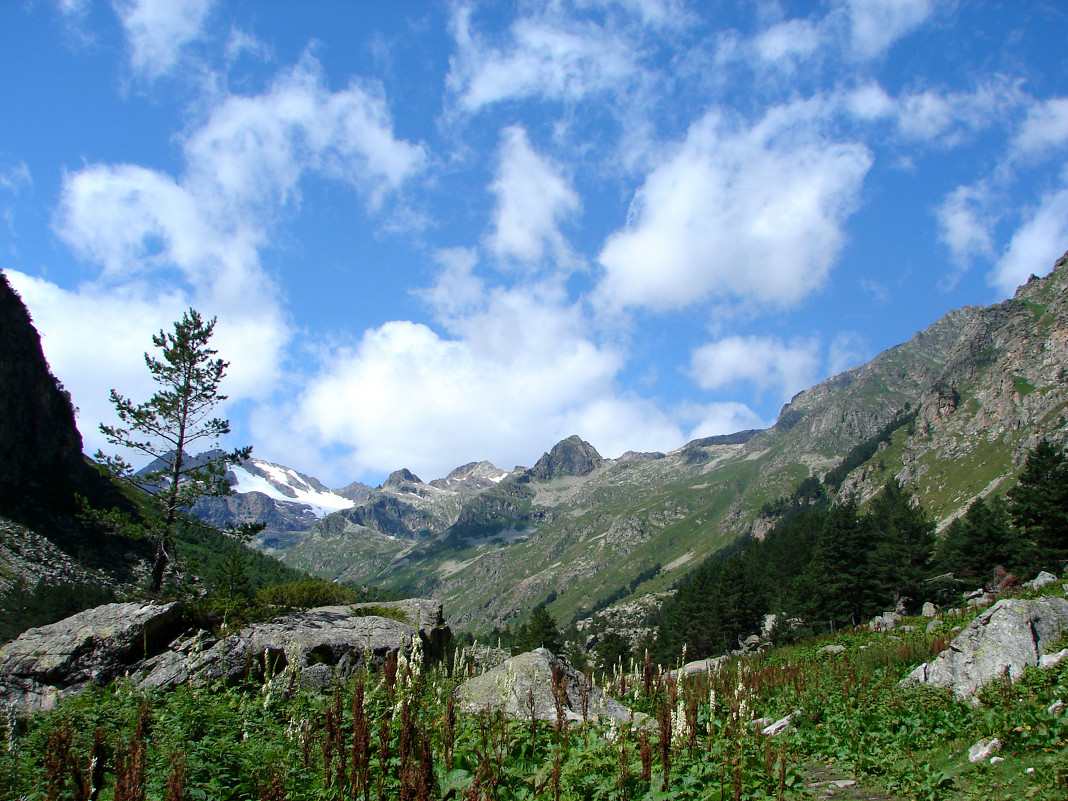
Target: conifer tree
1039, 505
904, 541
176, 417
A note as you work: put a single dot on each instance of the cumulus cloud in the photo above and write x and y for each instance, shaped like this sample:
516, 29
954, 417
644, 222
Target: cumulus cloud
157, 31
164, 243
965, 222
1044, 131
723, 418
768, 363
786, 44
876, 24
517, 371
532, 199
751, 212
550, 56
1037, 242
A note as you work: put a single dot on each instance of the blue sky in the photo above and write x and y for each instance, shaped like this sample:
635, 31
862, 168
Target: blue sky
435, 233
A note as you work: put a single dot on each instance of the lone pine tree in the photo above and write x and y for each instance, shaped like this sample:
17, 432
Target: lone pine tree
178, 415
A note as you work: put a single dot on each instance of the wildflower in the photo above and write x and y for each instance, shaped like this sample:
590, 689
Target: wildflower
679, 727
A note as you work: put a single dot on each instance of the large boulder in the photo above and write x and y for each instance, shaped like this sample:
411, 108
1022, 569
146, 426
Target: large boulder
511, 686
1002, 640
320, 646
46, 664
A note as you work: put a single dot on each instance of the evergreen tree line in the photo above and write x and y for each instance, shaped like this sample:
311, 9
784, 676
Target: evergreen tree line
830, 565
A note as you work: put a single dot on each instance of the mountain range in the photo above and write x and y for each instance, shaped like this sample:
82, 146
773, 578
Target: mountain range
951, 413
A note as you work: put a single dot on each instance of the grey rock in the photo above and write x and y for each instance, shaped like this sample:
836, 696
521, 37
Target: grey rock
934, 626
778, 726
885, 621
698, 667
1004, 639
46, 664
831, 649
320, 646
1041, 580
510, 687
1052, 660
984, 749
929, 610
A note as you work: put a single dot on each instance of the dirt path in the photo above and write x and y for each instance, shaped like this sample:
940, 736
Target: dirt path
827, 782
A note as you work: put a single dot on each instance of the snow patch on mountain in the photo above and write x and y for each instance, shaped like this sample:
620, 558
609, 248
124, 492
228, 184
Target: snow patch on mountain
285, 484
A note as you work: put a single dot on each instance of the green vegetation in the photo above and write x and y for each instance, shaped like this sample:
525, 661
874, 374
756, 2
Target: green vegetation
398, 733
1022, 385
832, 566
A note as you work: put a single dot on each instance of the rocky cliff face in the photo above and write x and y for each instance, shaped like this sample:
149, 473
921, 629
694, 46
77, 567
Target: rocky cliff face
39, 441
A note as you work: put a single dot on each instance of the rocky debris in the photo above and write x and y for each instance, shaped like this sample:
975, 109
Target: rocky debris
984, 750
778, 726
934, 626
47, 664
28, 557
885, 622
1002, 640
1041, 580
1052, 660
527, 680
318, 646
831, 649
929, 610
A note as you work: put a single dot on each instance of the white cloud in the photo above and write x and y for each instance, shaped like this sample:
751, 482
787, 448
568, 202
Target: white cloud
253, 149
532, 198
1045, 129
1036, 244
723, 418
946, 117
550, 56
965, 222
165, 243
516, 374
767, 363
158, 30
457, 291
788, 43
877, 24
754, 212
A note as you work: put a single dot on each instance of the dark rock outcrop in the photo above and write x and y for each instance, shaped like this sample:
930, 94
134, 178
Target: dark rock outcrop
570, 457
40, 446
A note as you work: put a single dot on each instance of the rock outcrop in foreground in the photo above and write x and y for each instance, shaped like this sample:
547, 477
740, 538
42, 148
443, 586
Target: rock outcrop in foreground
146, 644
1002, 640
527, 680
47, 664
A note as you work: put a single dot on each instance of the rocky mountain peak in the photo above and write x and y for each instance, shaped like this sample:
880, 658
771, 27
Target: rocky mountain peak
39, 441
399, 478
472, 476
569, 457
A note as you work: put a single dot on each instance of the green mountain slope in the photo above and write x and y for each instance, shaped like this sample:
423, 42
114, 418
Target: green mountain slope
981, 386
